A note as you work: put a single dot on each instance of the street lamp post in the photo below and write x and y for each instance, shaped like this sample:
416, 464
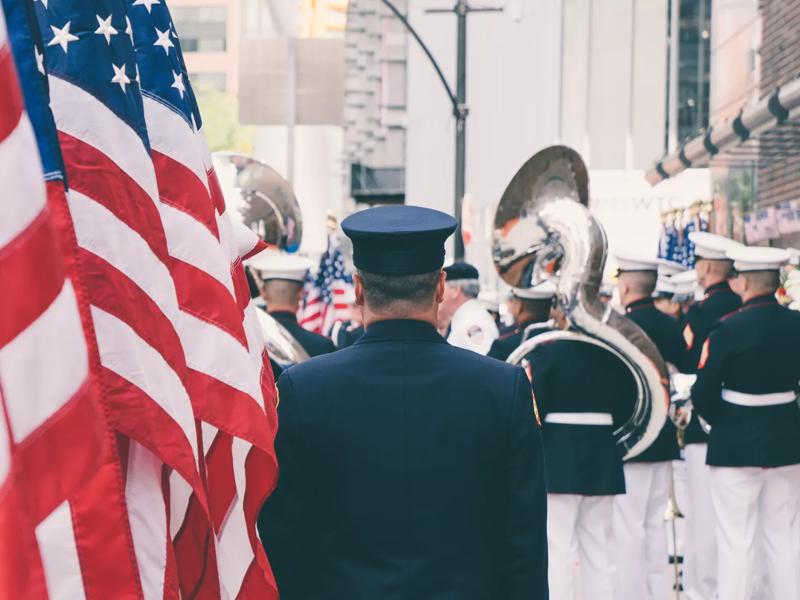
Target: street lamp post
458, 100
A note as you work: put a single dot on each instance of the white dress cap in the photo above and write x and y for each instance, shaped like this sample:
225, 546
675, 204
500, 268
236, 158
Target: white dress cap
279, 265
670, 267
684, 284
635, 262
542, 291
794, 256
664, 286
711, 246
758, 258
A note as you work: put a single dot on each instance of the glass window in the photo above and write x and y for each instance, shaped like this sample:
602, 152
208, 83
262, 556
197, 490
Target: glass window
208, 81
694, 53
201, 28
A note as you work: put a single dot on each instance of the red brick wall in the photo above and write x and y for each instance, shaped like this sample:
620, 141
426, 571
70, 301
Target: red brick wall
779, 174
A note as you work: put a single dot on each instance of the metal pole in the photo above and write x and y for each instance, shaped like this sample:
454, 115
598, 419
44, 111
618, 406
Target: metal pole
461, 9
291, 105
672, 104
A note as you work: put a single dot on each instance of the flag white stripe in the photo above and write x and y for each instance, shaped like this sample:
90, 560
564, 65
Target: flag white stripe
59, 552
179, 494
47, 362
234, 553
20, 167
190, 241
204, 344
172, 136
129, 356
125, 249
148, 519
83, 116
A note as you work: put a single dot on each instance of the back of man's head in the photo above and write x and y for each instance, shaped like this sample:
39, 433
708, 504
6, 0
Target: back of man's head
533, 310
399, 296
711, 272
282, 294
760, 283
635, 285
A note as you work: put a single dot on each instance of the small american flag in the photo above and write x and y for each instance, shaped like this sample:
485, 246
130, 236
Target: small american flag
323, 300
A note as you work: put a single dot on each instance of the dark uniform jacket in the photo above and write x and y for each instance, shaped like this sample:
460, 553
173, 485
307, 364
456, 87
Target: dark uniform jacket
313, 343
754, 351
409, 469
719, 301
576, 377
510, 340
665, 333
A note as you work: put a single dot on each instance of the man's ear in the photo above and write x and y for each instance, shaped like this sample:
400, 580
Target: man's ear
359, 289
440, 287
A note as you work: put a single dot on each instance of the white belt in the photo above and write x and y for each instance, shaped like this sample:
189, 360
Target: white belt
576, 418
743, 399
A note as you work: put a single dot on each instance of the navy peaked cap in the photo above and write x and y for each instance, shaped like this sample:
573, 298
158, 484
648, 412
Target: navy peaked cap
398, 240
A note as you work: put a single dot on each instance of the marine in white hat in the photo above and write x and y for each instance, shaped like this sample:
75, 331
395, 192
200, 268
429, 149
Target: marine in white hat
282, 277
746, 389
530, 308
713, 269
640, 536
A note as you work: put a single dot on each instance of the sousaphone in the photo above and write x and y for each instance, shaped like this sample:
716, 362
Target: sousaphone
257, 195
543, 230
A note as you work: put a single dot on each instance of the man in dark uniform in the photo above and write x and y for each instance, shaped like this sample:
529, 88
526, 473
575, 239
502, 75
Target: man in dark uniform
583, 393
713, 270
283, 276
639, 514
746, 388
531, 311
409, 469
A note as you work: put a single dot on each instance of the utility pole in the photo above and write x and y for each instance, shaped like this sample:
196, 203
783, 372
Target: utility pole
461, 9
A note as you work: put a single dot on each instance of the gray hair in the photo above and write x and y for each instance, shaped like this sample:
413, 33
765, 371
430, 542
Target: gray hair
470, 287
398, 293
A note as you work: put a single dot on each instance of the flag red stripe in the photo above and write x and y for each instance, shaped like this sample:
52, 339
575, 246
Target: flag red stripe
32, 274
179, 187
221, 482
256, 584
100, 521
95, 175
215, 190
203, 296
242, 416
79, 450
194, 550
138, 416
10, 93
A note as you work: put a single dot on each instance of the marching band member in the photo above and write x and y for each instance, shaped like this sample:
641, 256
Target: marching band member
471, 325
713, 268
639, 513
746, 388
283, 276
531, 311
580, 391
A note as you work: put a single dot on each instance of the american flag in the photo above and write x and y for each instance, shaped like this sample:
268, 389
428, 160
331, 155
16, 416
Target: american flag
323, 298
173, 341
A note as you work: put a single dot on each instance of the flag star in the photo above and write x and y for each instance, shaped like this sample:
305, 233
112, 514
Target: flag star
163, 40
178, 83
129, 29
62, 37
105, 29
148, 4
39, 60
172, 28
120, 77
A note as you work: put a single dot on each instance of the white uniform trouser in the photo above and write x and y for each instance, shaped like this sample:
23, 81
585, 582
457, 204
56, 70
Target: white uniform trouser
640, 538
580, 525
758, 516
700, 559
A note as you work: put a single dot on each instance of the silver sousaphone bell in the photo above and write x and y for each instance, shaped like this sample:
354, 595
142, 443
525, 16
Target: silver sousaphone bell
256, 195
543, 230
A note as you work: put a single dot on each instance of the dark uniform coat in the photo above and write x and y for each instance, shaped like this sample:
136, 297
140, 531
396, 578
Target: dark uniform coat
409, 470
313, 343
719, 301
665, 333
576, 377
510, 340
754, 351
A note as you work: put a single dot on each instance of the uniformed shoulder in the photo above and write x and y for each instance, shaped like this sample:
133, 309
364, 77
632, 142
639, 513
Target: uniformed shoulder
727, 316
